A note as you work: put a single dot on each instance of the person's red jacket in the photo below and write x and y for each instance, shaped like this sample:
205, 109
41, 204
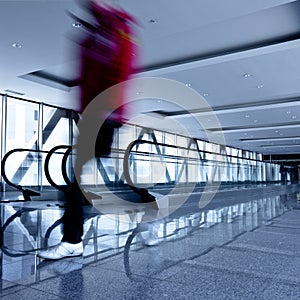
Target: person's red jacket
108, 55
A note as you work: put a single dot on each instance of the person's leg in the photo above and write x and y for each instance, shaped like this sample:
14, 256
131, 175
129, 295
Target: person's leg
71, 243
73, 215
105, 137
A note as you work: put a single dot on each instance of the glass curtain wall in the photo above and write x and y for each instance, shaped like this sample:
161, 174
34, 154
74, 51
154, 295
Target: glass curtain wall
194, 161
29, 130
35, 127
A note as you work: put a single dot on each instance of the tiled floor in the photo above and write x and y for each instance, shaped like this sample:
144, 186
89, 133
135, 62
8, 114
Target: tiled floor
243, 245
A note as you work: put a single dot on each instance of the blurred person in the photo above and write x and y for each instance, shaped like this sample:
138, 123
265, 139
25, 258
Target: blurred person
107, 57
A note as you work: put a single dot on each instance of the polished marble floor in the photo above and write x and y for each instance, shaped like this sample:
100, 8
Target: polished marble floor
245, 244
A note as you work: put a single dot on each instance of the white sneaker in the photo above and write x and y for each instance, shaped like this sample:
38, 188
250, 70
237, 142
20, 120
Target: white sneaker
62, 250
152, 239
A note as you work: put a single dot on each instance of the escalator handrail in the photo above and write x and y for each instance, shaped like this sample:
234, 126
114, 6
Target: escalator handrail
129, 148
63, 167
5, 157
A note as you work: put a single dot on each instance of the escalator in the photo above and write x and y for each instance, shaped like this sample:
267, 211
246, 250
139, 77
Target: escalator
36, 173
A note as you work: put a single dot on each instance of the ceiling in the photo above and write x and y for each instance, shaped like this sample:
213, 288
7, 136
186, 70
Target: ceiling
241, 56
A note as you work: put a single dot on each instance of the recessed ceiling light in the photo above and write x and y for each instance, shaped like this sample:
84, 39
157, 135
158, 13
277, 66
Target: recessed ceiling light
247, 116
294, 117
259, 86
246, 75
255, 121
188, 85
288, 112
76, 25
16, 45
205, 94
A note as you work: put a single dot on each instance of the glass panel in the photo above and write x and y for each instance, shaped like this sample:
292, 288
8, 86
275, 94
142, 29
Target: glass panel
21, 168
216, 148
22, 132
200, 145
170, 155
228, 150
55, 128
55, 132
126, 135
159, 136
208, 147
22, 124
182, 141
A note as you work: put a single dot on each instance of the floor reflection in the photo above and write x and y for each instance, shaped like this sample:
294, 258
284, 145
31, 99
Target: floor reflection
27, 229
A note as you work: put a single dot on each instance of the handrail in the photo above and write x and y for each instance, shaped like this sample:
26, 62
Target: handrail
63, 165
217, 160
27, 193
126, 166
3, 173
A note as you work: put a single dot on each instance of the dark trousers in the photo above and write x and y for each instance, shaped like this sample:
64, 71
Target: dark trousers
75, 199
73, 215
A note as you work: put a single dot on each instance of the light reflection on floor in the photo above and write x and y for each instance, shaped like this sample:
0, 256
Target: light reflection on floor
105, 235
